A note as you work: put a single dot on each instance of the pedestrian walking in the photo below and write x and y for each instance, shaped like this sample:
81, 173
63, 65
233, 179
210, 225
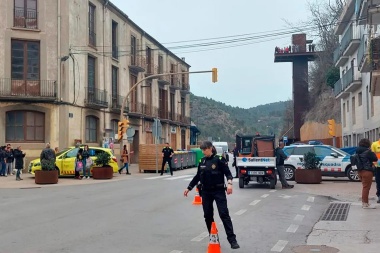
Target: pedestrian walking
366, 169
87, 162
280, 158
167, 154
211, 172
9, 160
375, 147
125, 159
19, 161
2, 162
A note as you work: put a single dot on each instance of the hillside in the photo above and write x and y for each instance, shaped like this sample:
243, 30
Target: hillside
218, 120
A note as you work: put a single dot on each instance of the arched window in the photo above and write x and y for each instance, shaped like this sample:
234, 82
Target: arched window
25, 126
92, 125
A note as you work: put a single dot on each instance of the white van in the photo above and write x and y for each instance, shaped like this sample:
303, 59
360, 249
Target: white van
222, 145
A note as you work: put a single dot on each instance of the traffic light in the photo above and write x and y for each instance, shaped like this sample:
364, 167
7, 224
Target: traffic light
126, 125
214, 75
121, 130
331, 123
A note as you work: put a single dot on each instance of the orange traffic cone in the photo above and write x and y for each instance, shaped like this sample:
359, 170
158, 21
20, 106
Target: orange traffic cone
214, 245
197, 199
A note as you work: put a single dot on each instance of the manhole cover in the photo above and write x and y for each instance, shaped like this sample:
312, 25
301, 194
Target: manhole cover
336, 212
314, 248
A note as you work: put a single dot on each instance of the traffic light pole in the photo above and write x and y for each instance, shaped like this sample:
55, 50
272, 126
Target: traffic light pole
214, 78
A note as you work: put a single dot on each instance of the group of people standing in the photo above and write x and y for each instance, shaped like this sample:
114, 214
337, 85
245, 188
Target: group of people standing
11, 159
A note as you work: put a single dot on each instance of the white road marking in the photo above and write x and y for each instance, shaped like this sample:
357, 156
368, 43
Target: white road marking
272, 190
299, 217
178, 177
157, 177
305, 208
285, 196
265, 195
310, 199
280, 245
175, 251
241, 212
292, 228
254, 202
188, 179
200, 237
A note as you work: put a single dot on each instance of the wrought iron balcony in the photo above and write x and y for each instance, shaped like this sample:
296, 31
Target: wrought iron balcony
135, 108
96, 98
25, 19
147, 110
12, 89
115, 52
164, 80
137, 63
363, 59
116, 103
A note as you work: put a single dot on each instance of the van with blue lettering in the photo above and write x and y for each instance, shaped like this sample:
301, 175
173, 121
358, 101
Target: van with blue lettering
335, 162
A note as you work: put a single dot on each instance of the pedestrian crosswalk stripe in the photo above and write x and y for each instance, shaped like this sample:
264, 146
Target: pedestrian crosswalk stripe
177, 177
156, 177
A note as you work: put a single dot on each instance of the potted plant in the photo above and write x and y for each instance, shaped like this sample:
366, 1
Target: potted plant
102, 170
49, 172
311, 171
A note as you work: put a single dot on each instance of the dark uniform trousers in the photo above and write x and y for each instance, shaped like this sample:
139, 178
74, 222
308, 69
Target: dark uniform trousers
219, 196
169, 160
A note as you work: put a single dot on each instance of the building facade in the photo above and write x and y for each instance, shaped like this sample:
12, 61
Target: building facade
358, 89
66, 67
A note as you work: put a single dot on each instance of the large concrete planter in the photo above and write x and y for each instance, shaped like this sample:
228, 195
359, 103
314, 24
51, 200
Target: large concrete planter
46, 177
308, 176
102, 172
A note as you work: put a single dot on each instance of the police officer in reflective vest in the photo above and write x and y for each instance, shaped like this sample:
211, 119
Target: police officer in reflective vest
167, 153
211, 172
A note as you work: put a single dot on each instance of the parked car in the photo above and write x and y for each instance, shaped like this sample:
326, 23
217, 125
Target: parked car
65, 160
335, 162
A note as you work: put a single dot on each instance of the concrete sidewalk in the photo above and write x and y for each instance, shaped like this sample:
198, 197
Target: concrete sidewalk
359, 233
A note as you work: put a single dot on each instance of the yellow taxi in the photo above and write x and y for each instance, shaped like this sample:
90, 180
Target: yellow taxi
65, 160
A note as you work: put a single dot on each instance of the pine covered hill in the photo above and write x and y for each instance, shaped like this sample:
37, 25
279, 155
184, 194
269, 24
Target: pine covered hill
222, 122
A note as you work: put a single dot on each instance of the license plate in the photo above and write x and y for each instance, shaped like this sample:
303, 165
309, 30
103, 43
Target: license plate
256, 173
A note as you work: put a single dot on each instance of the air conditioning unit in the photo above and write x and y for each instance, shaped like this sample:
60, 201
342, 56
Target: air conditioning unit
173, 129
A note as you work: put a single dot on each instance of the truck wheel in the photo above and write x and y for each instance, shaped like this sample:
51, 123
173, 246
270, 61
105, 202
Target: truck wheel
272, 183
241, 182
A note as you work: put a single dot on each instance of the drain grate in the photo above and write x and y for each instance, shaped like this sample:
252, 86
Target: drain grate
336, 212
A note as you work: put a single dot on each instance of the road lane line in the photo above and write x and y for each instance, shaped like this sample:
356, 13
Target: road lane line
188, 179
292, 228
175, 251
280, 245
284, 196
264, 196
299, 217
254, 202
241, 212
177, 177
272, 190
305, 208
200, 237
157, 177
310, 199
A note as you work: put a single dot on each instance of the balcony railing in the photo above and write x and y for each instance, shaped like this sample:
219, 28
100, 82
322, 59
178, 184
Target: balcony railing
338, 88
25, 19
24, 89
92, 38
363, 62
351, 80
164, 80
117, 101
137, 63
375, 53
350, 40
361, 14
96, 97
147, 109
136, 108
115, 52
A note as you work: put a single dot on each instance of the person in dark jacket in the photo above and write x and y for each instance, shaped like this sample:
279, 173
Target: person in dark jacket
211, 172
236, 154
85, 156
2, 161
280, 158
9, 160
367, 157
19, 164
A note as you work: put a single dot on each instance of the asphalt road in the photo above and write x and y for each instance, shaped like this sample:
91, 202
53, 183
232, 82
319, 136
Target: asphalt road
146, 213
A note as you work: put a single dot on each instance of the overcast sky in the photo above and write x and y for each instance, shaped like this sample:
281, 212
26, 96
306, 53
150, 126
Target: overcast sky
247, 75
